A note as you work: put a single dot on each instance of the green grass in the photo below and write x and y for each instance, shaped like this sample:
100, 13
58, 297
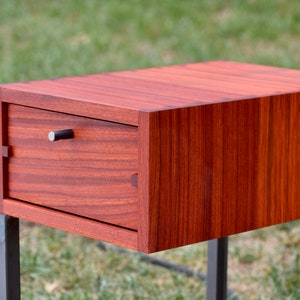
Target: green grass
263, 264
57, 265
43, 39
47, 39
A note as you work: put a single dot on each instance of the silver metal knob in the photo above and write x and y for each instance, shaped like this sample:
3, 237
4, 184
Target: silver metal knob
60, 135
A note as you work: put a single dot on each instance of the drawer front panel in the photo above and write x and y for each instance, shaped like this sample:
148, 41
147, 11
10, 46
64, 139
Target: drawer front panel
88, 175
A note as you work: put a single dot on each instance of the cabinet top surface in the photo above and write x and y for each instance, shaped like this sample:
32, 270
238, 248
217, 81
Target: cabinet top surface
169, 87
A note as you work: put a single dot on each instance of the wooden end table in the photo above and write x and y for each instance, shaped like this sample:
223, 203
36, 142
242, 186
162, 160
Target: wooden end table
151, 159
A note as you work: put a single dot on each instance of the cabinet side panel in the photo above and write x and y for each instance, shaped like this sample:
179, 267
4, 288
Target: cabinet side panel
148, 181
226, 168
5, 152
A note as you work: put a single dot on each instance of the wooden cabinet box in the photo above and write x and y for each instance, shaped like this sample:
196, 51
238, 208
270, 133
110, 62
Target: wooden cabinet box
160, 157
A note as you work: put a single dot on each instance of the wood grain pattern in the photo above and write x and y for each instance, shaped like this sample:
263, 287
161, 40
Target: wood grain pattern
223, 169
71, 106
4, 160
71, 223
149, 183
119, 96
89, 175
215, 147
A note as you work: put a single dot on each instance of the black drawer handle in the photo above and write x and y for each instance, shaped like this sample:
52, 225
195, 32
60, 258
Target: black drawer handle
63, 134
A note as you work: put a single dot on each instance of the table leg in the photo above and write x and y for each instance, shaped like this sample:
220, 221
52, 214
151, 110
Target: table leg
9, 258
217, 269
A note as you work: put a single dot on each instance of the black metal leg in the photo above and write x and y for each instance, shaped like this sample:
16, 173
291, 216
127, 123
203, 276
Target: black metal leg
9, 258
217, 269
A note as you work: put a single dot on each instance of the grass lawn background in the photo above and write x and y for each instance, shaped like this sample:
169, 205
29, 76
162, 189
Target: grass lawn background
48, 39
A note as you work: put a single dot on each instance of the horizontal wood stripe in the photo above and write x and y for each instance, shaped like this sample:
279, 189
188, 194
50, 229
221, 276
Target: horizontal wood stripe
67, 222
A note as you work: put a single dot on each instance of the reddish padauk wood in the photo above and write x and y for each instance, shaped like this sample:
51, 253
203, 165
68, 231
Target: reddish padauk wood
160, 158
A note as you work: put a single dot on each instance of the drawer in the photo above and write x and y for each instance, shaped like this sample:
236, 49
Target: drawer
88, 175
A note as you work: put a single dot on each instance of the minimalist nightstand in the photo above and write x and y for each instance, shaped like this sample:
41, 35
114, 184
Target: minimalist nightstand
156, 158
